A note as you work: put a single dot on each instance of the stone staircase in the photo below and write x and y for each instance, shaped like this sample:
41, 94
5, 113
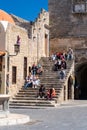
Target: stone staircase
28, 98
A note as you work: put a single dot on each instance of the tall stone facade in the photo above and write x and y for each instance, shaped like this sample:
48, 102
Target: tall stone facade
34, 44
68, 28
68, 22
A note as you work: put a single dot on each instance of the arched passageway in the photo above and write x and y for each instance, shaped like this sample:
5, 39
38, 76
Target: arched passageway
81, 81
70, 87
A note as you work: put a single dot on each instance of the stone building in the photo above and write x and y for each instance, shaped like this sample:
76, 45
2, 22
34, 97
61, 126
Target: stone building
68, 22
21, 44
68, 28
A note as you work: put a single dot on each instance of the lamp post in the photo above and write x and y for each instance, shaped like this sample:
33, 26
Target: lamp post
16, 50
17, 46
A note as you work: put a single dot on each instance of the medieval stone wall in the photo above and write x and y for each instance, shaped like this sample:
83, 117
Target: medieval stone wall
60, 44
17, 61
38, 34
64, 23
23, 23
2, 37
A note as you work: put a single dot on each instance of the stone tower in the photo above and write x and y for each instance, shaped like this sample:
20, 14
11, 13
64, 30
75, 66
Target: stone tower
68, 28
68, 22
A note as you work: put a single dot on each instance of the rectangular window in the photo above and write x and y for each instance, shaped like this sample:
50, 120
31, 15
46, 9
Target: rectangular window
46, 41
79, 6
0, 63
14, 73
25, 67
8, 64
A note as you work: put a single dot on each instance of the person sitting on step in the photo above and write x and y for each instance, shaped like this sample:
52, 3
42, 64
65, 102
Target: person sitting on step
51, 93
62, 73
28, 81
36, 81
42, 92
28, 84
39, 69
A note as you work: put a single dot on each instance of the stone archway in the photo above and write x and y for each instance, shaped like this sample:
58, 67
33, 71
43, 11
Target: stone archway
83, 84
70, 88
81, 76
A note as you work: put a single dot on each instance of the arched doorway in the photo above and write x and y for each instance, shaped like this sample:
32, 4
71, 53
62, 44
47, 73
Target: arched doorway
81, 76
70, 85
83, 84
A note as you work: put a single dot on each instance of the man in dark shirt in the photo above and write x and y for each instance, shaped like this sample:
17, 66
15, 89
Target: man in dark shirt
42, 91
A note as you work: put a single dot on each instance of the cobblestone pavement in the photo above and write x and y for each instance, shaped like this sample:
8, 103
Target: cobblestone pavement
65, 117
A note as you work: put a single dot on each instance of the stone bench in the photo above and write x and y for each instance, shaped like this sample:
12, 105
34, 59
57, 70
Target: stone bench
4, 104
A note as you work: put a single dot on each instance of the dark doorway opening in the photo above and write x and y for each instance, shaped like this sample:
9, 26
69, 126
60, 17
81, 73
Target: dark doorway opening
70, 83
81, 83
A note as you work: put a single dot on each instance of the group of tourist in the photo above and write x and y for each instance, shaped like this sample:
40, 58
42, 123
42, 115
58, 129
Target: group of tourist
36, 69
60, 63
32, 80
49, 94
67, 55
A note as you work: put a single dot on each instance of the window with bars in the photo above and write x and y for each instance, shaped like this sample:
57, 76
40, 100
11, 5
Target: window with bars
25, 67
14, 73
79, 6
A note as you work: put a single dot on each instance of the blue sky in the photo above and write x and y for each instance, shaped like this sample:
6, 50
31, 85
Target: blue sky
26, 9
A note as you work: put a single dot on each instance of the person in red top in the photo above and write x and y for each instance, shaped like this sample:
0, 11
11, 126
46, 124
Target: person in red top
51, 93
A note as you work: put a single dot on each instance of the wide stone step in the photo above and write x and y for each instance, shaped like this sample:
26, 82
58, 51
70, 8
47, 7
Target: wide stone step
31, 105
52, 84
34, 95
32, 101
28, 90
27, 98
32, 98
51, 81
50, 75
29, 94
34, 91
